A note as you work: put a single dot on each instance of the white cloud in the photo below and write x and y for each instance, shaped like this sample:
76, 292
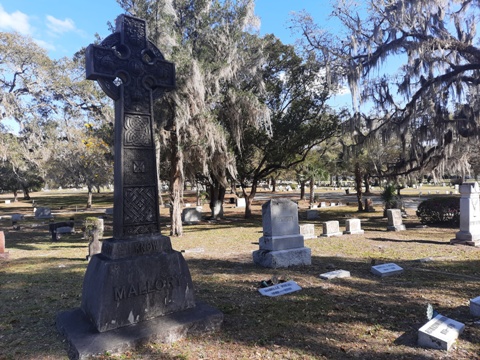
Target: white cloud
45, 45
16, 21
60, 26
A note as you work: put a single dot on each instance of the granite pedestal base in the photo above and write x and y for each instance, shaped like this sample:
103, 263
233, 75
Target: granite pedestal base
84, 340
400, 227
283, 258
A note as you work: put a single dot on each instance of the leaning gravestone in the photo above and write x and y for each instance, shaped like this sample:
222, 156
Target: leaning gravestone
469, 233
395, 222
137, 279
281, 245
439, 333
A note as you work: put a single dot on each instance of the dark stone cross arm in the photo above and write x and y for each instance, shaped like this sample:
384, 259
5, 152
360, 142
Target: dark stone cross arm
128, 56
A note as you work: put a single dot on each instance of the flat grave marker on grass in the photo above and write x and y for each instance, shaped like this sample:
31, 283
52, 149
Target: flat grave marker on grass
280, 289
439, 333
384, 270
335, 274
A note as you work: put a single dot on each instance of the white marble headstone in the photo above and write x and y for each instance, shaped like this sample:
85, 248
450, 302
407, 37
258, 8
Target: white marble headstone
331, 228
335, 274
384, 270
439, 333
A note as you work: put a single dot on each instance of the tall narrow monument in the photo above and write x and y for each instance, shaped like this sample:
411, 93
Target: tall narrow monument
137, 279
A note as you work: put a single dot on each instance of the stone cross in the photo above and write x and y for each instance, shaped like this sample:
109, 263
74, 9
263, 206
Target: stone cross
133, 72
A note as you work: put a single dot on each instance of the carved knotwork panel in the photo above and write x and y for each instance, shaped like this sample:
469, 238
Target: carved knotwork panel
137, 131
139, 205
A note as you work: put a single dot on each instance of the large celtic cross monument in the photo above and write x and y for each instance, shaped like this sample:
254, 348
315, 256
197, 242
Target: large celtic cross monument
129, 57
137, 279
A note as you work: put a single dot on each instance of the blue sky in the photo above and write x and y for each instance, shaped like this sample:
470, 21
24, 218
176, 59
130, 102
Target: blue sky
64, 26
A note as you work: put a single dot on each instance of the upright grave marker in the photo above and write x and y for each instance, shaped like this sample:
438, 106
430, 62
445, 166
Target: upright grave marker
469, 216
281, 245
137, 278
395, 222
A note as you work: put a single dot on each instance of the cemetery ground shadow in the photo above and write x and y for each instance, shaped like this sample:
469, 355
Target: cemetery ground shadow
443, 243
363, 316
33, 291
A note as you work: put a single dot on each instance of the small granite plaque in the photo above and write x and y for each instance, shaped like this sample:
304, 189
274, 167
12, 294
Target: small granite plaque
280, 289
335, 274
439, 333
386, 269
475, 306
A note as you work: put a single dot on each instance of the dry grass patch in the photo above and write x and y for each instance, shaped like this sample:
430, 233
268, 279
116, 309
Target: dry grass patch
362, 317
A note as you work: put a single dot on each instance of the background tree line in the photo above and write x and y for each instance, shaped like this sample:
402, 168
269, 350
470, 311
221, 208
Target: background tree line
248, 107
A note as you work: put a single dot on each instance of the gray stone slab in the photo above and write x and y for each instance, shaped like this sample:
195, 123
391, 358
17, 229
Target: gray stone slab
331, 228
439, 333
475, 306
283, 258
335, 274
84, 340
43, 213
308, 231
353, 226
281, 242
280, 217
191, 216
313, 214
384, 270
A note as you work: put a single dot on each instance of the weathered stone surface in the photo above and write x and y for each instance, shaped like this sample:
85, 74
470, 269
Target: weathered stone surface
281, 242
313, 214
85, 341
130, 290
469, 215
308, 231
439, 333
43, 213
475, 306
240, 202
191, 216
395, 221
384, 270
280, 217
353, 226
335, 274
283, 258
331, 228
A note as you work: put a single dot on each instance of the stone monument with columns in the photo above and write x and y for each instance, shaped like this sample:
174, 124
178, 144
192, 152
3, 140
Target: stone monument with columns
469, 233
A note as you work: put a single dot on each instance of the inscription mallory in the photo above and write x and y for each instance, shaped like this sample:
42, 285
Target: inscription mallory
146, 287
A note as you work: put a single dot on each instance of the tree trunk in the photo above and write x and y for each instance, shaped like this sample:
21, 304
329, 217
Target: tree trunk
26, 193
176, 186
15, 195
274, 184
358, 183
217, 195
302, 189
312, 191
249, 199
90, 196
366, 180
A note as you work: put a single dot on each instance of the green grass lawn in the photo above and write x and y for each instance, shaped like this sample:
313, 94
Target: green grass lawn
362, 317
